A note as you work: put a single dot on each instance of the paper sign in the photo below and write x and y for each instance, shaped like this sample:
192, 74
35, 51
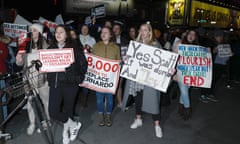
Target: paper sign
102, 74
56, 60
149, 65
194, 66
224, 50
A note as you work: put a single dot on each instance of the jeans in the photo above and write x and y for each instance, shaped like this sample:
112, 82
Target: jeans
100, 102
184, 94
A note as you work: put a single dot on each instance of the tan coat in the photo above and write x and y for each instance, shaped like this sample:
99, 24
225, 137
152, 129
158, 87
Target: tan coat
110, 51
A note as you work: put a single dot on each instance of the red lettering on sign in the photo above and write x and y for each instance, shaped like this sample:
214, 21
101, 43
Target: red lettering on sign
193, 80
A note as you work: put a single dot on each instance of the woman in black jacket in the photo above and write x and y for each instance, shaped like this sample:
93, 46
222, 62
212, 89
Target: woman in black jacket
64, 85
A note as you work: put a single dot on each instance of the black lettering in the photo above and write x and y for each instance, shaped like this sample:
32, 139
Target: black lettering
157, 56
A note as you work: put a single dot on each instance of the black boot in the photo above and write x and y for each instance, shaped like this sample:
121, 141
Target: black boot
180, 109
187, 113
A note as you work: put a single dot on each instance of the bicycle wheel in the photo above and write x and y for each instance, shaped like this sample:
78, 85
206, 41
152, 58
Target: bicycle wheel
42, 121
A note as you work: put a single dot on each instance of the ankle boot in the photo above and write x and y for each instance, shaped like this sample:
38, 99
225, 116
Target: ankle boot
187, 113
180, 109
108, 120
100, 120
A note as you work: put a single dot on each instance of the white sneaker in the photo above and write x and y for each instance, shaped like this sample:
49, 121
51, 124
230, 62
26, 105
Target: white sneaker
137, 123
119, 105
65, 134
74, 131
30, 129
66, 140
158, 131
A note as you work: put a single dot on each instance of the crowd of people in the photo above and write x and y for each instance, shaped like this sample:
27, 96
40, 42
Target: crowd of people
59, 90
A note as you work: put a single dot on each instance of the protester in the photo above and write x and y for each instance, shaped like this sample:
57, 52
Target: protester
37, 41
220, 65
94, 28
4, 40
132, 35
87, 42
108, 23
105, 49
64, 85
145, 95
122, 41
184, 105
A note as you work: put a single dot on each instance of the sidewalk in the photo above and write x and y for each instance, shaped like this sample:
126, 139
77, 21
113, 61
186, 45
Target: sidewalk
212, 123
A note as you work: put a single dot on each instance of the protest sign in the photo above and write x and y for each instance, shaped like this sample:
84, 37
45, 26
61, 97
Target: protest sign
194, 66
102, 74
98, 11
17, 32
149, 65
51, 25
55, 60
224, 50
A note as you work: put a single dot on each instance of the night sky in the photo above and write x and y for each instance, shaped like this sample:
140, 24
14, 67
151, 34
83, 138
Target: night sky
33, 9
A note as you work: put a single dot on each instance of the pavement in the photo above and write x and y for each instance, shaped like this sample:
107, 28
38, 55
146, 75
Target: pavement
211, 123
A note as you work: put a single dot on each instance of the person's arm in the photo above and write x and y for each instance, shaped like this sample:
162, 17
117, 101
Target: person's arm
20, 57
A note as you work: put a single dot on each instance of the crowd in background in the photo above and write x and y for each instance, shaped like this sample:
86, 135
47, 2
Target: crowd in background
114, 36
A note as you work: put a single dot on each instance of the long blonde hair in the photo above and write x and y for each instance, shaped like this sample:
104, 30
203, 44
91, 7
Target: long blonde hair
151, 38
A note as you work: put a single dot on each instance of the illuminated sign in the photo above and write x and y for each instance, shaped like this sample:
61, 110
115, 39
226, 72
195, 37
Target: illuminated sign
210, 15
176, 10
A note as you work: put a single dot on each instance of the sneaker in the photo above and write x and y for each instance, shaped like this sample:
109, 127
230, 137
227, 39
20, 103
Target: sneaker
38, 130
65, 134
203, 99
74, 131
137, 123
212, 98
228, 86
158, 131
30, 129
119, 105
66, 139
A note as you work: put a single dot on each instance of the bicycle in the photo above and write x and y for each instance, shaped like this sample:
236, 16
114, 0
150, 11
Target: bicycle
24, 84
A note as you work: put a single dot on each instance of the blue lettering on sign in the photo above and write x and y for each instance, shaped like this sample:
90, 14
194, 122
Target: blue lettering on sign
182, 68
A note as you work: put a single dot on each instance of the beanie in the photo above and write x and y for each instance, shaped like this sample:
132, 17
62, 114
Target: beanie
38, 27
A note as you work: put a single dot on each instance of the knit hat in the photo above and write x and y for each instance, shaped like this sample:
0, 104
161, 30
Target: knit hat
38, 27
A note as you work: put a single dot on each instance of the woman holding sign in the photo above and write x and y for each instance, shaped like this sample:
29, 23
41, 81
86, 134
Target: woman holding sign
105, 49
147, 99
64, 85
184, 108
24, 58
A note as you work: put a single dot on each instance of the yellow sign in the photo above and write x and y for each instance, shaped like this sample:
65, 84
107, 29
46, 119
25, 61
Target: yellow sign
210, 15
176, 10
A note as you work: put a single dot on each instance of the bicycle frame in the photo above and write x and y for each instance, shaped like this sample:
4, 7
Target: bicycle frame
26, 83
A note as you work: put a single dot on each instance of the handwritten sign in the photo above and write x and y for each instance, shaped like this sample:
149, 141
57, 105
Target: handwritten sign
102, 74
224, 50
149, 65
56, 60
194, 66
